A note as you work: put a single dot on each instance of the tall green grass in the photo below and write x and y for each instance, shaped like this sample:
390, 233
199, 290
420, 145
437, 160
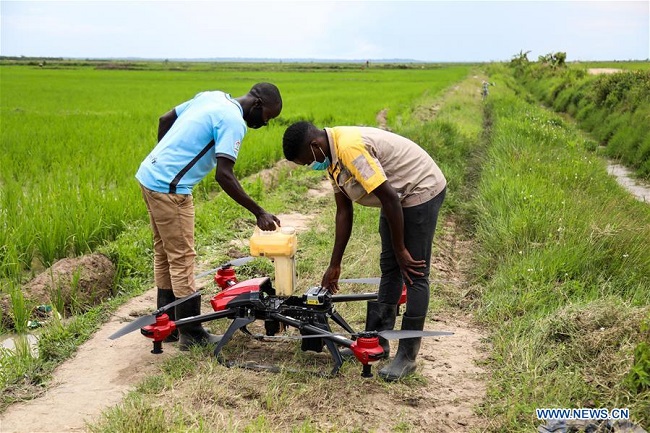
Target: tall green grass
562, 249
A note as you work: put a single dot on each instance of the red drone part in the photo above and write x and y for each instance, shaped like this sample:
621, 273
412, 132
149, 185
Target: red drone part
159, 331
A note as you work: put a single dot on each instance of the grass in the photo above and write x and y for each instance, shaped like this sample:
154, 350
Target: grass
562, 253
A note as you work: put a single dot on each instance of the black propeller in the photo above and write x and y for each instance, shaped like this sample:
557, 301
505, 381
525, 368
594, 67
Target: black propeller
388, 334
374, 280
151, 319
236, 262
401, 334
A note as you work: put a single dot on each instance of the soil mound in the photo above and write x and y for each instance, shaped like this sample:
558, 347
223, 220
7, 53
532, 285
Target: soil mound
76, 284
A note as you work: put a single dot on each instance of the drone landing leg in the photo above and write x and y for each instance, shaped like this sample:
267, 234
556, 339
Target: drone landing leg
321, 322
336, 356
234, 326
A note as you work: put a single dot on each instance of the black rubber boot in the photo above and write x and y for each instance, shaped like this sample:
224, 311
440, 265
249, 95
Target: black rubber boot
193, 334
379, 317
404, 362
166, 296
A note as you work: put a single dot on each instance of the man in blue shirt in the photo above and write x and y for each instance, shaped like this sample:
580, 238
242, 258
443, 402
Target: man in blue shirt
194, 138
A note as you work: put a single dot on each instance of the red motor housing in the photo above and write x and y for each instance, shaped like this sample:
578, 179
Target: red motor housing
367, 349
402, 299
225, 277
159, 330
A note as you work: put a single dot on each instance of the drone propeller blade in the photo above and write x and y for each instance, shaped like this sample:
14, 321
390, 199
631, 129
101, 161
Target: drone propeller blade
236, 262
151, 319
136, 324
360, 280
239, 262
398, 335
171, 305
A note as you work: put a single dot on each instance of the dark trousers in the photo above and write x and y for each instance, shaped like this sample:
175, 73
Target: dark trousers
419, 226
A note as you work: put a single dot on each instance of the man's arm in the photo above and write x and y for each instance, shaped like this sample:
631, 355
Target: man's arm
165, 123
344, 218
229, 183
392, 208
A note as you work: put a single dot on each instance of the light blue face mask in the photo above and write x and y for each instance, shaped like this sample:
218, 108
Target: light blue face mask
319, 165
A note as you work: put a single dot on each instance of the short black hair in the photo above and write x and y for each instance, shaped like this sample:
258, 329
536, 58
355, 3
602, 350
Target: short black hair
269, 94
294, 139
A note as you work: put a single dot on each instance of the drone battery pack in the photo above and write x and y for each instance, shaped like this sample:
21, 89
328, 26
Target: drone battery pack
315, 296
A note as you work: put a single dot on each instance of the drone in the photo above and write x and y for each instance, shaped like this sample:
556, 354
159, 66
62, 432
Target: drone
244, 302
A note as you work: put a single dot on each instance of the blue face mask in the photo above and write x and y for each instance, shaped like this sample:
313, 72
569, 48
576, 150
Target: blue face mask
319, 165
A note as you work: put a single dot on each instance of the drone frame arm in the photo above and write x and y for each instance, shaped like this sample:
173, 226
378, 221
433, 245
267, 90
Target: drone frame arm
355, 297
205, 317
341, 340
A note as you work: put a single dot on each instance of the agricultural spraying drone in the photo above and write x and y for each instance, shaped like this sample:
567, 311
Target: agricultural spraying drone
257, 299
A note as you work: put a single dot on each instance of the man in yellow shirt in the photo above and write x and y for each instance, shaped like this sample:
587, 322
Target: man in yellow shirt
378, 168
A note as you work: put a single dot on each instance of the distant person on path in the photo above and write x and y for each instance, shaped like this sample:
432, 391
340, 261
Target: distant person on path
194, 138
485, 91
378, 168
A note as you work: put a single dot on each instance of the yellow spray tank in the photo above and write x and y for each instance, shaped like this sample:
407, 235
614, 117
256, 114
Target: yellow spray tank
280, 246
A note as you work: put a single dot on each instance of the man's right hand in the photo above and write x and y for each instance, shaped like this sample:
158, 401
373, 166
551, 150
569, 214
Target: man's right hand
330, 280
267, 221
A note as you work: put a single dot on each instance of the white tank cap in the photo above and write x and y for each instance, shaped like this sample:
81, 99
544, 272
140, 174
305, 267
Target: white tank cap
288, 230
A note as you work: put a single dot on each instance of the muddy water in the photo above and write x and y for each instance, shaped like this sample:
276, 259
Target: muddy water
624, 177
9, 342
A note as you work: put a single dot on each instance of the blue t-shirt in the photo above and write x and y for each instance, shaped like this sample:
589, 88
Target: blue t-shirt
208, 126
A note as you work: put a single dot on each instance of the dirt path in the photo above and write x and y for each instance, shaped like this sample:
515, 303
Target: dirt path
457, 382
598, 71
103, 371
624, 177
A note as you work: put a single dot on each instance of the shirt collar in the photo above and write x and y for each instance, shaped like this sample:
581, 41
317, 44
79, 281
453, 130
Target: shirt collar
234, 101
332, 145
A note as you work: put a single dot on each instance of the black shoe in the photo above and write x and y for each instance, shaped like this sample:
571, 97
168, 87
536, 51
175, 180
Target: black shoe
193, 334
166, 296
404, 362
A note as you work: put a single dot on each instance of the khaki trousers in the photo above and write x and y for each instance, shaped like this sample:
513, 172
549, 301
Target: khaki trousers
172, 223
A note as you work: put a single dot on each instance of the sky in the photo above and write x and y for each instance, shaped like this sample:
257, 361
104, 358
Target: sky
429, 31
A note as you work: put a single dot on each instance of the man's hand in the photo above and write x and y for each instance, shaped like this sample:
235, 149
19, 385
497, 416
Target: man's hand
227, 180
330, 280
267, 221
408, 265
